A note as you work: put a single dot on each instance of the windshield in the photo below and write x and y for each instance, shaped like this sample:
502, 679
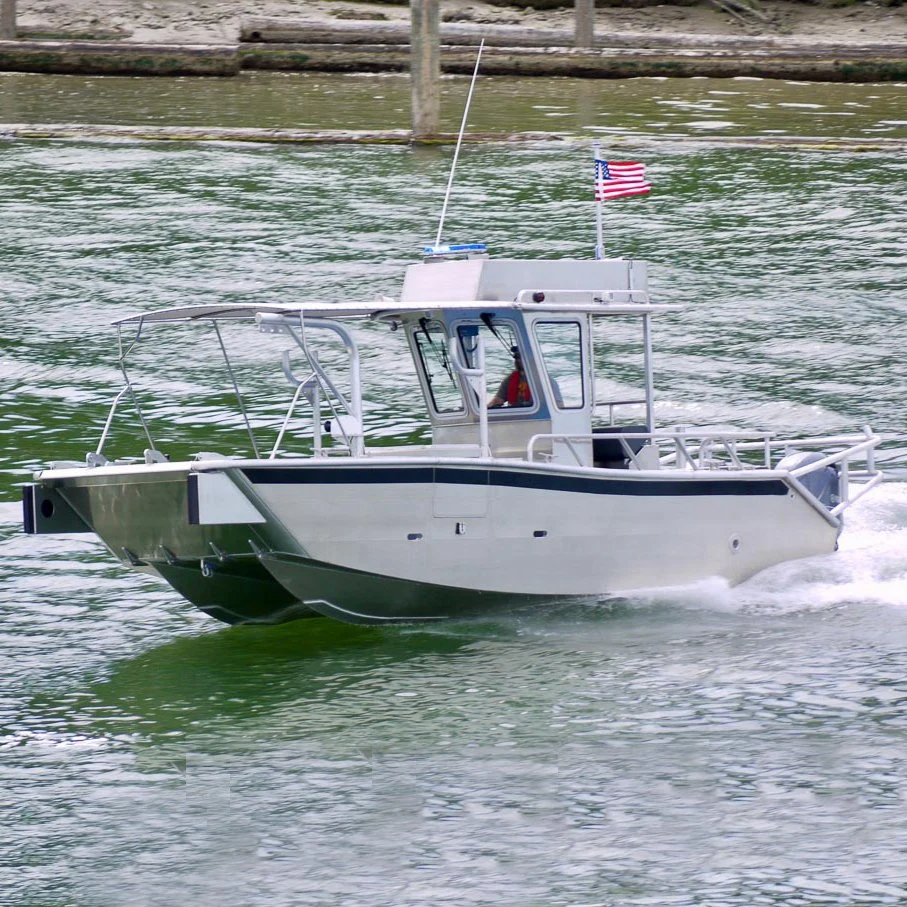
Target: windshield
507, 382
440, 378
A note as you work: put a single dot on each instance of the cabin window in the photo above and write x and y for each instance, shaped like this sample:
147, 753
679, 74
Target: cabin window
560, 343
507, 384
440, 377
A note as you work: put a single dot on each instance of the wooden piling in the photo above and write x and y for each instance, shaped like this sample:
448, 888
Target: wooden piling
8, 20
425, 67
584, 19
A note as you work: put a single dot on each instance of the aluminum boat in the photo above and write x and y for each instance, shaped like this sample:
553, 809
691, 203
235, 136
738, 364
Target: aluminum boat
534, 481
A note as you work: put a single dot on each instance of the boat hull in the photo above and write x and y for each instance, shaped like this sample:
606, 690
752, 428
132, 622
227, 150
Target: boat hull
516, 533
371, 542
358, 597
142, 515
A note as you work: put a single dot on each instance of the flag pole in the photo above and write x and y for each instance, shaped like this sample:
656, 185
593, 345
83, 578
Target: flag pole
600, 243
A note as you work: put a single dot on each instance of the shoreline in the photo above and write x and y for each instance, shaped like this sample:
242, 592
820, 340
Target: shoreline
856, 64
253, 135
860, 43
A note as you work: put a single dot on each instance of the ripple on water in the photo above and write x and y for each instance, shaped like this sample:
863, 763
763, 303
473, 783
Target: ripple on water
731, 746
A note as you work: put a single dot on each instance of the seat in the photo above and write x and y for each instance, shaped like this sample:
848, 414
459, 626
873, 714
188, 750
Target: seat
609, 453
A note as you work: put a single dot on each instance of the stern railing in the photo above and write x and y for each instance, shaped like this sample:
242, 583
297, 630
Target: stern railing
693, 451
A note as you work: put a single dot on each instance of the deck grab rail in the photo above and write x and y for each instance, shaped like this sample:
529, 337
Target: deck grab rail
611, 404
721, 450
587, 297
319, 386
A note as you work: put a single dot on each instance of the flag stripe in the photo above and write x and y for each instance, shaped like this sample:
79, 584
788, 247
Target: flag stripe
614, 179
618, 193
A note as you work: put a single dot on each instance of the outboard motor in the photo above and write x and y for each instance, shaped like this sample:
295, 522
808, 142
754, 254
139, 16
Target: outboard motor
825, 483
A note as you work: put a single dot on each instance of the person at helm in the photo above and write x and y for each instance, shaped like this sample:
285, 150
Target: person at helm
514, 389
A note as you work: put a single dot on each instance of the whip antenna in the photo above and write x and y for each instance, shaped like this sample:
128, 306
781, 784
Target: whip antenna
453, 166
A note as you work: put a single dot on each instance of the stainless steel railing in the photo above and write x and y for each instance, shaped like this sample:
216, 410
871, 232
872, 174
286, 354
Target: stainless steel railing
692, 451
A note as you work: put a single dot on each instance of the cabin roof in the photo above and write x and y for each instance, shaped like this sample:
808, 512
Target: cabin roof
388, 309
614, 286
473, 279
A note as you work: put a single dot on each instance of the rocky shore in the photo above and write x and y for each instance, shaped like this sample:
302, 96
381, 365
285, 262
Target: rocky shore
221, 21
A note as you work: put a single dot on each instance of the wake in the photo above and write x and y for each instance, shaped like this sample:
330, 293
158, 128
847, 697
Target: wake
870, 567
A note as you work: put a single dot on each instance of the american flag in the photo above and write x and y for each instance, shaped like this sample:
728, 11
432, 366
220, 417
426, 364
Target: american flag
614, 179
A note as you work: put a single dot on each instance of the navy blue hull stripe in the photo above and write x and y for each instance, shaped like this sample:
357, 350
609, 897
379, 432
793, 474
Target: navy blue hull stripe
446, 475
192, 499
28, 509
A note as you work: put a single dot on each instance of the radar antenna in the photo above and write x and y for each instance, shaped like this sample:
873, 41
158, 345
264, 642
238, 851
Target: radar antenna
453, 166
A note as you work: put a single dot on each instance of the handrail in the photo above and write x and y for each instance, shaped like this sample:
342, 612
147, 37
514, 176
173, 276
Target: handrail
113, 409
868, 485
354, 439
567, 440
601, 297
729, 441
858, 447
612, 403
478, 373
831, 459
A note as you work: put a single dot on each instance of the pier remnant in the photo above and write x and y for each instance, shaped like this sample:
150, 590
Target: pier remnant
425, 67
7, 20
584, 21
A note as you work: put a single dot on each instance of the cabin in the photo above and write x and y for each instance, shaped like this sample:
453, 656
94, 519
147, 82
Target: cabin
505, 347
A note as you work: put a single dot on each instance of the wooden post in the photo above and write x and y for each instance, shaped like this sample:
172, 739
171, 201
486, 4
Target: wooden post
425, 67
584, 18
7, 20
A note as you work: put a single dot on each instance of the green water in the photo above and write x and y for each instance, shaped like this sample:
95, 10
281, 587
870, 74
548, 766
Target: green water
635, 107
699, 746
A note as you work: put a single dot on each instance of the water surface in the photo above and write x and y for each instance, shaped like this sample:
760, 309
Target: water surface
614, 108
700, 746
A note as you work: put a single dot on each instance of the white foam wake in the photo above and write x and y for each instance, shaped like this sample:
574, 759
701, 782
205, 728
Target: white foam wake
870, 567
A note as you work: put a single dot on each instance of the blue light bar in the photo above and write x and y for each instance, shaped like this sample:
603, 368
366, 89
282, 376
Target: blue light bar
454, 249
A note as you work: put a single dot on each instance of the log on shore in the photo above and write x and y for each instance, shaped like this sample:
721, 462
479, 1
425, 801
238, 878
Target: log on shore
96, 33
858, 64
90, 58
578, 63
311, 31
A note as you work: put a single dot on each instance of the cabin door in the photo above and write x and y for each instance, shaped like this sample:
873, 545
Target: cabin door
566, 380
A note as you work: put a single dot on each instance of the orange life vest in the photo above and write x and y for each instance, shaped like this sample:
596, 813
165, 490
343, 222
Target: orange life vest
518, 393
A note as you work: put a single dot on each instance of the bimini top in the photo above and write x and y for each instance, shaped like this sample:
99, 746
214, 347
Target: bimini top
603, 287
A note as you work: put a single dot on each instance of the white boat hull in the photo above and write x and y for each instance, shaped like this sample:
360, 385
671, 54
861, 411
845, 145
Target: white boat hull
407, 539
543, 532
